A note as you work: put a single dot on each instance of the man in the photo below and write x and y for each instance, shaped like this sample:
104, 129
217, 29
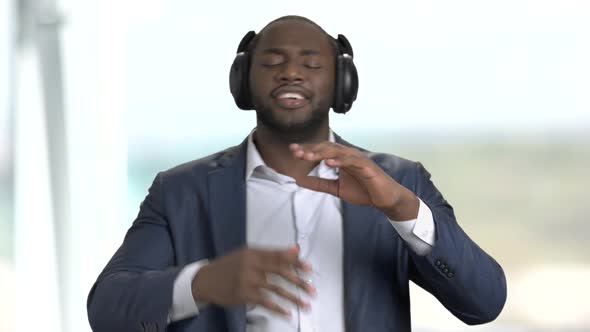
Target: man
294, 229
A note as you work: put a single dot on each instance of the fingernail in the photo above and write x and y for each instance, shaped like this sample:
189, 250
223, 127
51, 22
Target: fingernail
312, 291
306, 307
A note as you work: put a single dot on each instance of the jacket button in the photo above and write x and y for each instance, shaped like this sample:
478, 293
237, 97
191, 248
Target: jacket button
444, 266
450, 275
445, 270
438, 262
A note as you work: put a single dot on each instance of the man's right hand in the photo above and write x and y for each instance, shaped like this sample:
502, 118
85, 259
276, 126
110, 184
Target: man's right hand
241, 277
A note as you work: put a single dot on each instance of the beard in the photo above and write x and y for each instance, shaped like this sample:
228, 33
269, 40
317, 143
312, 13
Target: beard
291, 131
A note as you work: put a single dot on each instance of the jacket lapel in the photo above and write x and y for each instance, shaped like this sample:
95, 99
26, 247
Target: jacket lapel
359, 239
227, 208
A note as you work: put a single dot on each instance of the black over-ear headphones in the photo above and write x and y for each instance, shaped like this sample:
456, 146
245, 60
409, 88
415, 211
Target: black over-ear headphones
345, 88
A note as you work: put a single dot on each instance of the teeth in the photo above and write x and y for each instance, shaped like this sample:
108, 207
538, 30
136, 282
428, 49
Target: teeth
292, 95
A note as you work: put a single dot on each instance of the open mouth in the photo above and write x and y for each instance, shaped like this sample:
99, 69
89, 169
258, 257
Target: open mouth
291, 100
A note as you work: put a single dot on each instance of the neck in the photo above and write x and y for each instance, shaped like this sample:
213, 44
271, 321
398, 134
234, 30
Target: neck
273, 147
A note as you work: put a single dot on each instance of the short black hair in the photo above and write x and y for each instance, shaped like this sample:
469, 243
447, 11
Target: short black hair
331, 39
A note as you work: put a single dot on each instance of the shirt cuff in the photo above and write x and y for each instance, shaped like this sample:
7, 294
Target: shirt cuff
418, 233
183, 303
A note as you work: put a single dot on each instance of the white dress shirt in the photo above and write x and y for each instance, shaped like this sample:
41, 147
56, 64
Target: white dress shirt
280, 214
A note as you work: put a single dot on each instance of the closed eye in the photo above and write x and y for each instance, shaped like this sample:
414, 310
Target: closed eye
272, 60
271, 64
312, 62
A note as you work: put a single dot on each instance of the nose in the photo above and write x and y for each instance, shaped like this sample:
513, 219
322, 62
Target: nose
290, 72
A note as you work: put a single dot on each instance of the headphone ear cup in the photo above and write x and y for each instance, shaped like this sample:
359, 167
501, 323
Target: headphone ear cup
347, 84
238, 81
347, 80
239, 74
350, 82
338, 105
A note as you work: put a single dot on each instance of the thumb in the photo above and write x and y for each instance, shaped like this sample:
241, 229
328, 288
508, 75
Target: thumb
318, 184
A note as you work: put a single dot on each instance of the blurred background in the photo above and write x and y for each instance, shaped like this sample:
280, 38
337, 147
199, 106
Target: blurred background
493, 98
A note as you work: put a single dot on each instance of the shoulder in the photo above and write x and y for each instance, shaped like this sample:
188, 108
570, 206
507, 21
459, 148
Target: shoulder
198, 169
390, 163
411, 174
199, 166
405, 171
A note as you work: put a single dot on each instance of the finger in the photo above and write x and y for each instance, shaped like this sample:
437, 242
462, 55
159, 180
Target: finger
319, 184
335, 155
307, 151
333, 162
285, 263
325, 146
283, 258
314, 146
258, 297
314, 152
354, 162
267, 303
309, 146
297, 150
287, 295
288, 273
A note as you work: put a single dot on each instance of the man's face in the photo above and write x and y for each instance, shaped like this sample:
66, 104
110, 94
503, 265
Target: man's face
292, 77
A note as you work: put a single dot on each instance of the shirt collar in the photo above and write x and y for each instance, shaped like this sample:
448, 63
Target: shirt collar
254, 160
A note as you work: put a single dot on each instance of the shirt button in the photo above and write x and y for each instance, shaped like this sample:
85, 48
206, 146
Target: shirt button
450, 275
438, 263
446, 270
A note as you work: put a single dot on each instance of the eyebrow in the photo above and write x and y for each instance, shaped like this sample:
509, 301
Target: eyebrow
275, 50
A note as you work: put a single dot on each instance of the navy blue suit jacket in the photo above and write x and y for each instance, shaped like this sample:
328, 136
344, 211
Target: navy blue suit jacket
198, 210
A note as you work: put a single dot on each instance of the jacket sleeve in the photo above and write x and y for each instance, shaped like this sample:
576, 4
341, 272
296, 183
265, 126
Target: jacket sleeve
465, 279
134, 291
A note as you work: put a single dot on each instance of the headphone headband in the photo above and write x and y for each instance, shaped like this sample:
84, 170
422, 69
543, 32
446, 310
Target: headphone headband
345, 85
245, 42
344, 45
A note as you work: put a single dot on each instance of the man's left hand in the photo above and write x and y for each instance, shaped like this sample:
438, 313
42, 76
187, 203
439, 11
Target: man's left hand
360, 180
